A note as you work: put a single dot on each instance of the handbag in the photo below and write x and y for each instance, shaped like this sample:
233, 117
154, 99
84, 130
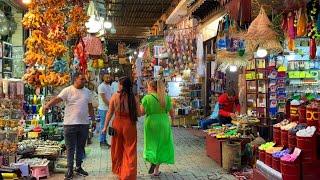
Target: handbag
111, 131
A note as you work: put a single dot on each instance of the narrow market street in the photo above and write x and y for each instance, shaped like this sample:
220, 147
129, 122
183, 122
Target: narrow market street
191, 160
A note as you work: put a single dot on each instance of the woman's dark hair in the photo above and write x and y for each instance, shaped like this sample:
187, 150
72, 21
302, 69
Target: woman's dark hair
127, 90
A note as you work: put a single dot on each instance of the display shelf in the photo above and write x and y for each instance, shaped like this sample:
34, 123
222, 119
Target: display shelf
257, 87
6, 59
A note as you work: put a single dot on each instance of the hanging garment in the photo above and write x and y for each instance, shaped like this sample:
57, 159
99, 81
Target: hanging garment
93, 45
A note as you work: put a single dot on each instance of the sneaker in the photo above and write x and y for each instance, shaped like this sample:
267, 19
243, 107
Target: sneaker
68, 175
81, 172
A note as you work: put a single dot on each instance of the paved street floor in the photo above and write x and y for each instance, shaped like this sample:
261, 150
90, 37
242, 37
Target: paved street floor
191, 160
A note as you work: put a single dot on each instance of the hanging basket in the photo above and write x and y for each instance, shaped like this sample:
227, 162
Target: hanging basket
233, 58
261, 34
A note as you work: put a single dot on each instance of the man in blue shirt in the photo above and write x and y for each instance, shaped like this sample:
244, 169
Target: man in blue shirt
213, 118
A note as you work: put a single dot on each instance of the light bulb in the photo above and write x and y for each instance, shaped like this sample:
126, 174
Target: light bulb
140, 55
26, 1
233, 68
261, 52
113, 30
93, 25
107, 24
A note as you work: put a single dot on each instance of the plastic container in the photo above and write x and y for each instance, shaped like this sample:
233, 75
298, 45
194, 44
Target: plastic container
290, 170
276, 164
302, 114
312, 116
294, 113
268, 159
284, 138
277, 135
292, 140
310, 171
308, 145
40, 172
262, 155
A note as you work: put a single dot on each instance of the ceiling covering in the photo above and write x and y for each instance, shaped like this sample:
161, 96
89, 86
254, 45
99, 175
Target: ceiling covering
204, 9
132, 19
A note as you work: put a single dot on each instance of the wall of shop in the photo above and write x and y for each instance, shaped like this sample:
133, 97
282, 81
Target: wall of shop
17, 37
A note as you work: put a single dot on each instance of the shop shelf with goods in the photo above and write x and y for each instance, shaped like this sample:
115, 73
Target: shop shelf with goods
6, 59
257, 88
11, 116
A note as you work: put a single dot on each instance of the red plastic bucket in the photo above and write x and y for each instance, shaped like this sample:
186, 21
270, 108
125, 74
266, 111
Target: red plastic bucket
276, 164
312, 116
262, 155
290, 170
294, 113
292, 140
284, 138
277, 135
268, 159
302, 114
310, 171
308, 145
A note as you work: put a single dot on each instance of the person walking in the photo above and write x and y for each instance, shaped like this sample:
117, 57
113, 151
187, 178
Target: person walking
78, 107
105, 92
123, 105
158, 138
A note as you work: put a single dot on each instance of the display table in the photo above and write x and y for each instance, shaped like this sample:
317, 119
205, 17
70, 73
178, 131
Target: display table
214, 148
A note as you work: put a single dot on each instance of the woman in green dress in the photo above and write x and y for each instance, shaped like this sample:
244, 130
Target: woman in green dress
158, 138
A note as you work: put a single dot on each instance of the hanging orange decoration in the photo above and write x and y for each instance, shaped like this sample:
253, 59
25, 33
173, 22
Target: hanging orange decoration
51, 23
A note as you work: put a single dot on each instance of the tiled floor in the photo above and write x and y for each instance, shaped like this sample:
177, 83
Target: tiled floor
191, 160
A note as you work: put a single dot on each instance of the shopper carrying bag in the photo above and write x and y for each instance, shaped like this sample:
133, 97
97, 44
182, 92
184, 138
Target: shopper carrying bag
123, 105
158, 138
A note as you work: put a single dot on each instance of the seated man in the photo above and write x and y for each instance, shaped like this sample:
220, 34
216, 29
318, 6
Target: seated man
213, 118
228, 105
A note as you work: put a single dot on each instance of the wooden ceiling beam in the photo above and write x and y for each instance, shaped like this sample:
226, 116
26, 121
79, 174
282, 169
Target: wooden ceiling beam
140, 3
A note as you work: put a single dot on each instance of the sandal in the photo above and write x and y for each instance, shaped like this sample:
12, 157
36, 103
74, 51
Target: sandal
156, 175
151, 169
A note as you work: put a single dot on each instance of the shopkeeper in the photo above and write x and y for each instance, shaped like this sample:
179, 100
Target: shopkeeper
229, 106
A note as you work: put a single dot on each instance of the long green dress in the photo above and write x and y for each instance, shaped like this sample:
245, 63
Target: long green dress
158, 139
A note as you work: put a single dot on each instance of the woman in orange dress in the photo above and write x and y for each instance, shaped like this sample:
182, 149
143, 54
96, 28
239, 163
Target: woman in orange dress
124, 143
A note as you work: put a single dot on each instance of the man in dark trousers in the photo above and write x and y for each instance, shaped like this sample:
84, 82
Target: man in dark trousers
228, 106
78, 106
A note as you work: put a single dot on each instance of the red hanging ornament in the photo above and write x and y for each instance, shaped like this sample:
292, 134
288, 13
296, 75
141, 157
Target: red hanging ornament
80, 52
313, 48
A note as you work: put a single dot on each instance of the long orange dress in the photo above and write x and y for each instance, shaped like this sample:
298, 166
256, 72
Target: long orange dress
124, 147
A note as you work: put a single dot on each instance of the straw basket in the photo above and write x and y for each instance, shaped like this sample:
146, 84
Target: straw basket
260, 34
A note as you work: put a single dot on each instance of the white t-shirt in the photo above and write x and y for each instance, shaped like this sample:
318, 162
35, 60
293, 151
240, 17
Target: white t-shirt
76, 105
114, 86
107, 90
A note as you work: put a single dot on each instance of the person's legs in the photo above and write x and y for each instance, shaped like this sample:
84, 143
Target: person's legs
117, 149
129, 162
224, 120
156, 170
208, 122
82, 135
102, 138
70, 136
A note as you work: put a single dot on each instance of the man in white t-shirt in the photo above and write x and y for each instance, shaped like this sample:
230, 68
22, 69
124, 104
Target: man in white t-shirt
115, 84
104, 95
78, 107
